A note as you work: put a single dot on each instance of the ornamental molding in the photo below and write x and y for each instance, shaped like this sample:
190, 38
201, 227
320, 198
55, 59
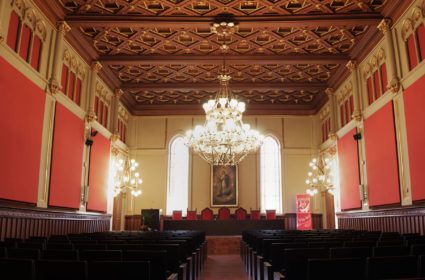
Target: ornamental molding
31, 18
344, 92
375, 61
412, 21
74, 63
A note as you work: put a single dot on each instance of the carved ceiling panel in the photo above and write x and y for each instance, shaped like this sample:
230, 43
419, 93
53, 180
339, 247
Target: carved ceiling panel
285, 97
214, 7
278, 40
283, 53
246, 73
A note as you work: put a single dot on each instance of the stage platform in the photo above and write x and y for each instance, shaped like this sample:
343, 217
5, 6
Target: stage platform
224, 245
223, 227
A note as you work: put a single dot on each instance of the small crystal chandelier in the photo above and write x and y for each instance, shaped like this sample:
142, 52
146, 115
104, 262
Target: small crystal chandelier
320, 176
127, 178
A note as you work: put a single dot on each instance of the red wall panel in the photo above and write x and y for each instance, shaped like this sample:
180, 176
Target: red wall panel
377, 85
77, 97
347, 111
70, 91
21, 125
99, 171
12, 33
349, 171
342, 114
411, 51
421, 40
384, 80
64, 79
351, 104
25, 42
414, 98
67, 159
35, 53
381, 157
370, 90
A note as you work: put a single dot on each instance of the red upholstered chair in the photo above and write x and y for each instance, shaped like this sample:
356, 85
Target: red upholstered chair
177, 215
191, 215
271, 214
255, 214
207, 214
223, 213
240, 214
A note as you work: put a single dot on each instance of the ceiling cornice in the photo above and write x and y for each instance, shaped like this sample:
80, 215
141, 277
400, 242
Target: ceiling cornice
211, 59
232, 85
347, 20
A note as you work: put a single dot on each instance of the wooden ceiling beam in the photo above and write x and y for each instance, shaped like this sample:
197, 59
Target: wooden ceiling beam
213, 86
196, 109
204, 22
218, 59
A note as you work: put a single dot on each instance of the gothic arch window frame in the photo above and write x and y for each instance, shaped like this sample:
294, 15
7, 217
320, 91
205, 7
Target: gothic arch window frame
171, 192
277, 185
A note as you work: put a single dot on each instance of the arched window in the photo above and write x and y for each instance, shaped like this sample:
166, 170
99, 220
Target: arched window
270, 175
178, 176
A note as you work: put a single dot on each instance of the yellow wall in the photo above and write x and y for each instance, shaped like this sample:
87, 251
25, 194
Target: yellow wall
149, 138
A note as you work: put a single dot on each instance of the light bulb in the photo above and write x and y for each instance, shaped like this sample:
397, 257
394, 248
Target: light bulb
222, 101
233, 103
140, 181
241, 107
132, 160
310, 174
136, 174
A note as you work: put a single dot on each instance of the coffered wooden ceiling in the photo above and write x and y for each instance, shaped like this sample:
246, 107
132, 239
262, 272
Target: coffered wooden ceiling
282, 57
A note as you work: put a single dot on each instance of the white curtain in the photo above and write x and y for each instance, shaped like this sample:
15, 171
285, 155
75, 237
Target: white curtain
270, 175
178, 176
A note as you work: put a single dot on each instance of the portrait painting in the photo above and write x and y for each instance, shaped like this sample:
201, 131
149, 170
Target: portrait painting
224, 186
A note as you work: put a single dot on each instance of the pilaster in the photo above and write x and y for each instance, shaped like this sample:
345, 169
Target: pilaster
46, 151
394, 81
115, 108
330, 92
357, 113
54, 81
91, 113
358, 117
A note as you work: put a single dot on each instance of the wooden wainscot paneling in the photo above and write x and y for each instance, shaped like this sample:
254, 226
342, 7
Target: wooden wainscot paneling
23, 222
403, 220
132, 222
291, 221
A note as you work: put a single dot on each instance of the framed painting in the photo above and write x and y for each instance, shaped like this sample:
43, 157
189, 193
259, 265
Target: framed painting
224, 186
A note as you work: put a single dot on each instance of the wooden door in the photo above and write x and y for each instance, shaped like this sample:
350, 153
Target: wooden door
116, 214
330, 211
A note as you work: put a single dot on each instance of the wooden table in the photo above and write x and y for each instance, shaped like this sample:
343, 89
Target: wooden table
224, 227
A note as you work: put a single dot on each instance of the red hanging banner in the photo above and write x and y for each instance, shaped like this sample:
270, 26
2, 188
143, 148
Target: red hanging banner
304, 220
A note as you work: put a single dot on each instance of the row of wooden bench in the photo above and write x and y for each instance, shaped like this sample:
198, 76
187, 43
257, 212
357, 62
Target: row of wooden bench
167, 255
275, 254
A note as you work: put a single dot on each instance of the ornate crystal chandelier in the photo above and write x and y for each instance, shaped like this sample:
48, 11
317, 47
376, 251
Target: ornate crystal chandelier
126, 178
320, 176
224, 139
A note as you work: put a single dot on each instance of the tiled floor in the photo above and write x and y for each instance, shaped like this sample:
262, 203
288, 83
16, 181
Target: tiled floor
224, 267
